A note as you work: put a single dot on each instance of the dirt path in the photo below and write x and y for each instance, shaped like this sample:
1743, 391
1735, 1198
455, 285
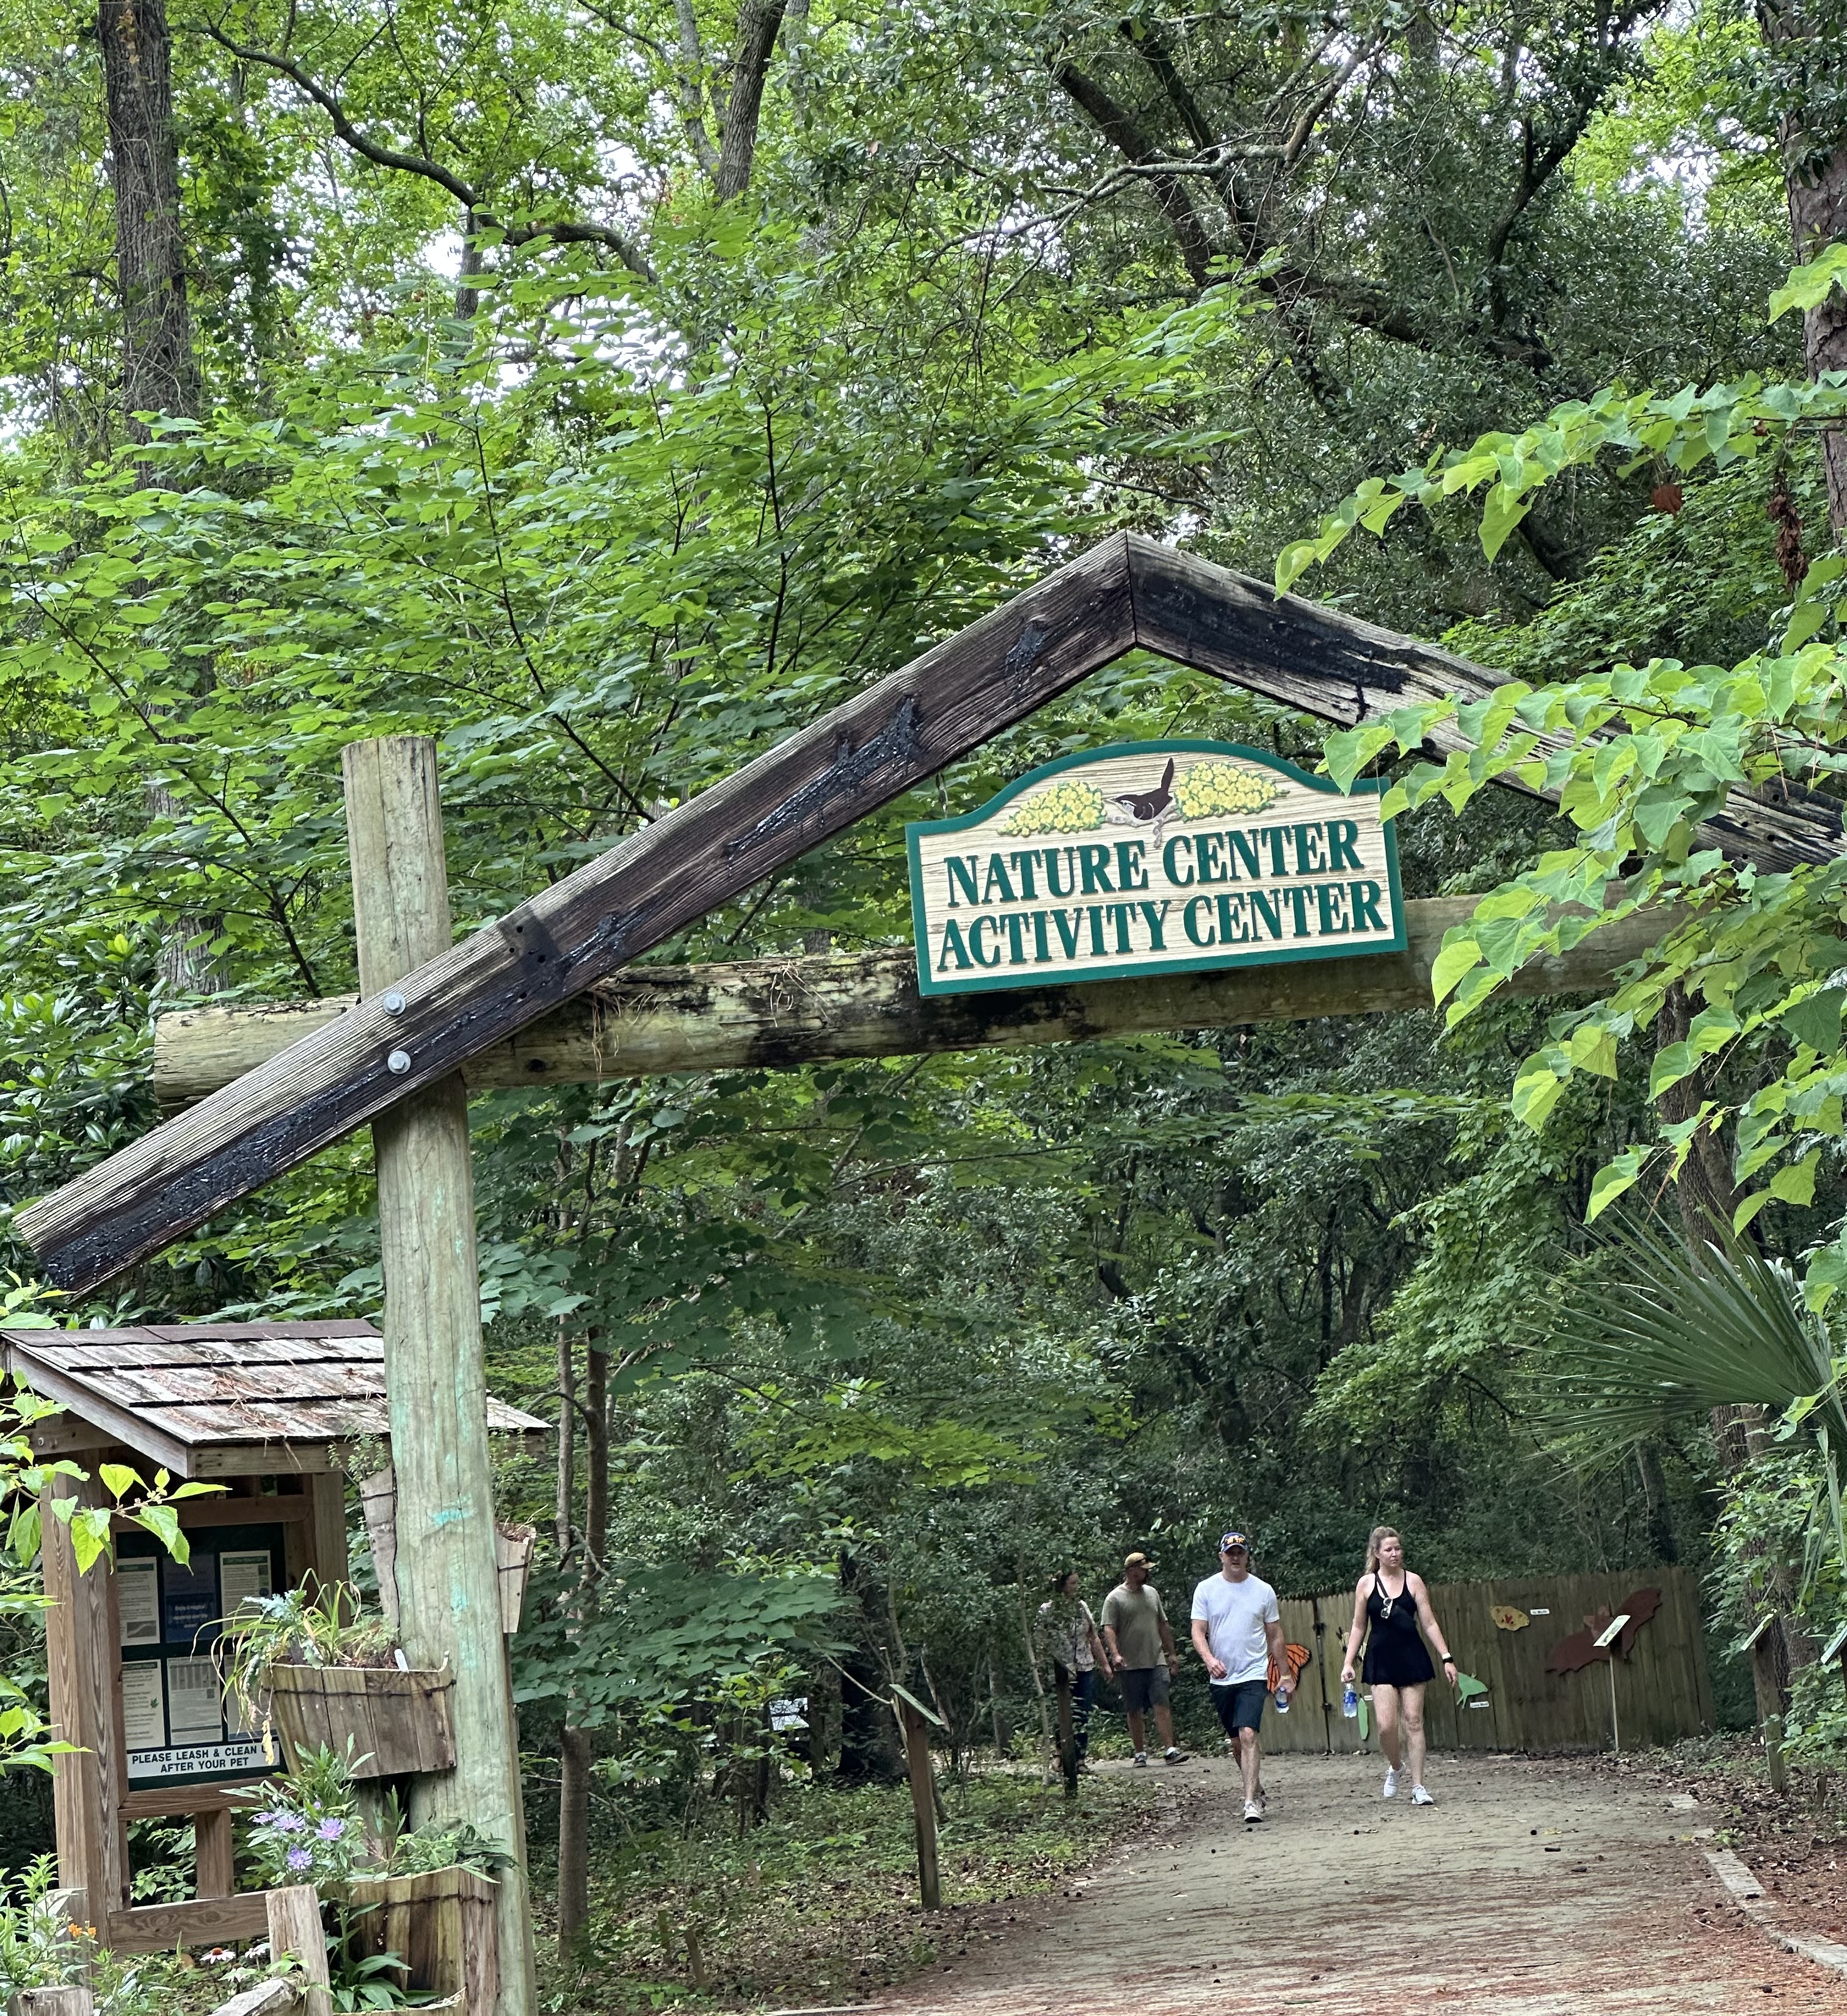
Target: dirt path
1532, 1889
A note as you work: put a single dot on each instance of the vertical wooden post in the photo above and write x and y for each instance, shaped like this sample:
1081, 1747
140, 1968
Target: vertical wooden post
923, 1803
85, 1662
294, 1917
447, 1576
1067, 1730
214, 1876
71, 2001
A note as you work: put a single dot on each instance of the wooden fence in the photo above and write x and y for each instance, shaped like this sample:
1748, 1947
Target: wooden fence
1663, 1689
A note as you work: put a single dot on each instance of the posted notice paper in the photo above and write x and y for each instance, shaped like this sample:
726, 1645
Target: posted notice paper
144, 1704
242, 1577
138, 1601
195, 1708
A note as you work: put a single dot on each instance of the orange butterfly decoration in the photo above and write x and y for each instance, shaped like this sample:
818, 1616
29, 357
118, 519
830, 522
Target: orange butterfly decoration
1298, 1657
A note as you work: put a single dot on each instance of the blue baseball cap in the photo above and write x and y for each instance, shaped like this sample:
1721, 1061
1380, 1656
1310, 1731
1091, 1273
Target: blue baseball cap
1228, 1541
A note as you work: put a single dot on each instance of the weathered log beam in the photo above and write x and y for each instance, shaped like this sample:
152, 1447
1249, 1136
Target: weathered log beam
1327, 663
703, 854
770, 1012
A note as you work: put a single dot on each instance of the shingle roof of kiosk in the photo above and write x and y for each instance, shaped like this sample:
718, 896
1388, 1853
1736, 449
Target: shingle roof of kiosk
221, 1399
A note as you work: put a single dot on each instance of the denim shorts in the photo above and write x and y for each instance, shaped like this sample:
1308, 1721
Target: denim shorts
1240, 1705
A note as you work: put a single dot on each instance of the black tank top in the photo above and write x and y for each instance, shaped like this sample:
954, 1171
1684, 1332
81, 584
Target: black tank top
1391, 1614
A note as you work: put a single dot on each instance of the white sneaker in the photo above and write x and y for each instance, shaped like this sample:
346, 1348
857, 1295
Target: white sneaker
1391, 1790
1141, 1760
1420, 1798
1252, 1810
1175, 1755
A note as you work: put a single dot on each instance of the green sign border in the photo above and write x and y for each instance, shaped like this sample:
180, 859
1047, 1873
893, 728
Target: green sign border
1132, 969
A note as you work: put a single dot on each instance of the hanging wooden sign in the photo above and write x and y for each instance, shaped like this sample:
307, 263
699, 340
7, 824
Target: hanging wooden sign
1148, 858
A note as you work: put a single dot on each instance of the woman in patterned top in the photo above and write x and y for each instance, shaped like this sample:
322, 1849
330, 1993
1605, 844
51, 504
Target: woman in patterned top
1069, 1635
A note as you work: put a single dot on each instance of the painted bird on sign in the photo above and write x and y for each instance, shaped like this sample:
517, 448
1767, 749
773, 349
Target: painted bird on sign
1148, 808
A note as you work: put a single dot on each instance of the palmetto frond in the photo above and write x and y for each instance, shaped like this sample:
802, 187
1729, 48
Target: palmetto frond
1648, 1338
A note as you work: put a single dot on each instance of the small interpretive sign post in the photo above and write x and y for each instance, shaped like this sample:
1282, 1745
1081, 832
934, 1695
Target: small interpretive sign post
1606, 1642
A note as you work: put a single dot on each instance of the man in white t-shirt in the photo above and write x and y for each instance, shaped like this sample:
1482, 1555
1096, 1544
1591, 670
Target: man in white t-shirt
1239, 1630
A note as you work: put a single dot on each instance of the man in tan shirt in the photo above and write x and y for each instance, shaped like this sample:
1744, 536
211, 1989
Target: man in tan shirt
1141, 1654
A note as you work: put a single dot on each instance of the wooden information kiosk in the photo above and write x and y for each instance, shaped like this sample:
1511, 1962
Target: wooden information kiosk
260, 1407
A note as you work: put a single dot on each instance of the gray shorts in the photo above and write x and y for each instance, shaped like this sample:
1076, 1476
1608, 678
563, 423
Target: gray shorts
1144, 1687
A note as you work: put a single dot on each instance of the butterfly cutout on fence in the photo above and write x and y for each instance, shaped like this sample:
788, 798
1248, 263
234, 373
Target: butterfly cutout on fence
1298, 1657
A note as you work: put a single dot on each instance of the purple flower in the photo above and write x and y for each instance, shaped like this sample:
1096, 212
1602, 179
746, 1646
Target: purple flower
299, 1857
331, 1830
287, 1823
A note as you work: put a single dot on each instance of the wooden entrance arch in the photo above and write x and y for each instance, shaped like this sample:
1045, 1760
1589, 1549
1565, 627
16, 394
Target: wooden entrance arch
1123, 593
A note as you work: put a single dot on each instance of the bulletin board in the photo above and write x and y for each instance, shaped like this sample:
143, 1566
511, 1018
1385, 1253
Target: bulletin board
179, 1725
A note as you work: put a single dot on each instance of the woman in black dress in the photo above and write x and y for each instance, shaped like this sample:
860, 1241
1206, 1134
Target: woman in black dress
1389, 1603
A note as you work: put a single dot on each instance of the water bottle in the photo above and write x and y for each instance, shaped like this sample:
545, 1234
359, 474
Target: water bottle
1350, 1705
1282, 1698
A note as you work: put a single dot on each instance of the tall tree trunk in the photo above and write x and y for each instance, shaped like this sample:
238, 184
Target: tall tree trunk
1807, 43
1661, 1542
578, 1748
160, 374
758, 22
563, 1519
596, 1460
575, 1758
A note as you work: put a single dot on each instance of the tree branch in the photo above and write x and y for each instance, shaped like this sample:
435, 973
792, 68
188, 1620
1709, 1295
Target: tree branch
560, 230
692, 87
1119, 128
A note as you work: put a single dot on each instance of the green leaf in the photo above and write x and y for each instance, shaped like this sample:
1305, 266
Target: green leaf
1459, 954
1672, 1062
1816, 1021
1748, 1208
1795, 1182
1809, 285
89, 1535
164, 1522
1616, 1176
1537, 1090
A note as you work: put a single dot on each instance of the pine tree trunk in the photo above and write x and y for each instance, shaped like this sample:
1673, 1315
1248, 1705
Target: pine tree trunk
160, 374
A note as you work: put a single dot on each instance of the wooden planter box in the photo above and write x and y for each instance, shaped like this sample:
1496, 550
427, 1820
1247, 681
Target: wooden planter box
397, 1723
441, 1925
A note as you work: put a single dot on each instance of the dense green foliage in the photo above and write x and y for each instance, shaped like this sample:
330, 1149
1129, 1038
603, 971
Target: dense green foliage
545, 416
